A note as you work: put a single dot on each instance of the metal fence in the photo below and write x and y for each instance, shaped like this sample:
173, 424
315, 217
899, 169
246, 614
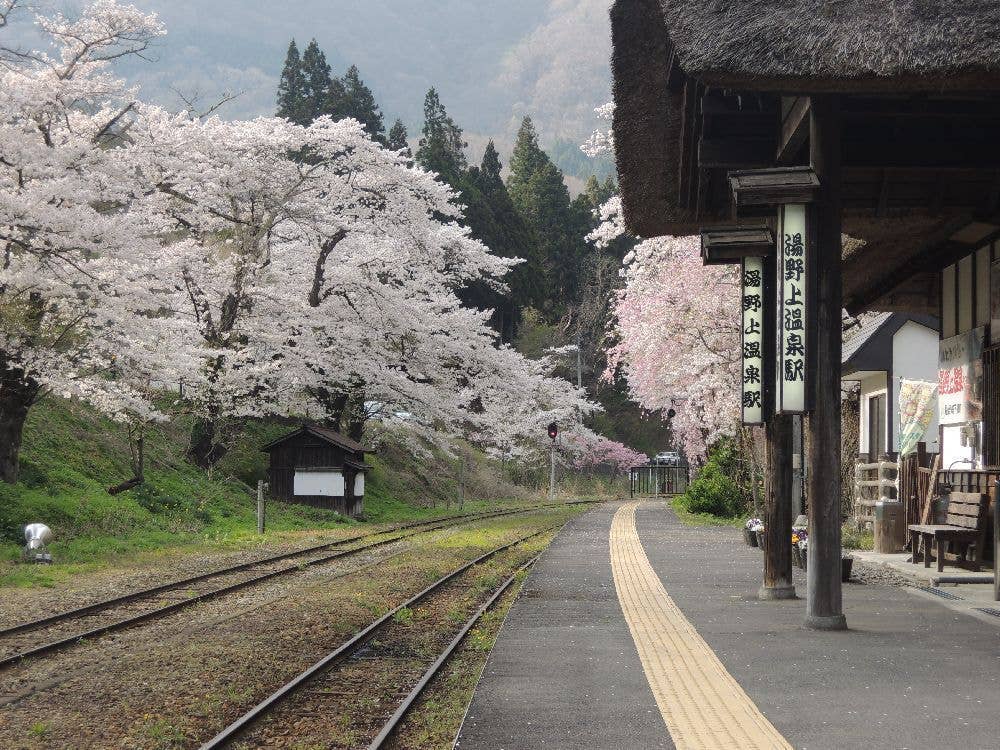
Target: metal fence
657, 481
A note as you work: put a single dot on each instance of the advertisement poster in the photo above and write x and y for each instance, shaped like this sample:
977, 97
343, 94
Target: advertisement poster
960, 378
917, 401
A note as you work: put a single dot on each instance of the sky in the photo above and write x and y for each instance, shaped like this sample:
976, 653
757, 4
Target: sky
492, 61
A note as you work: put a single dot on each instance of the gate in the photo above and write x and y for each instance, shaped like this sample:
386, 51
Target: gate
657, 481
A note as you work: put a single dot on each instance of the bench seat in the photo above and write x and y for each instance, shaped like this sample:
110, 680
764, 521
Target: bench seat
965, 526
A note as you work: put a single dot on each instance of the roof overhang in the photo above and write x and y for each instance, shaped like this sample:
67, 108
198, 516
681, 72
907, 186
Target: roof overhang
725, 246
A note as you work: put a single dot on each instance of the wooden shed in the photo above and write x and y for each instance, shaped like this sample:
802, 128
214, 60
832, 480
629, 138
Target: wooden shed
319, 467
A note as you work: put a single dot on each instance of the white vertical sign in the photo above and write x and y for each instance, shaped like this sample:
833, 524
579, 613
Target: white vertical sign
753, 340
792, 269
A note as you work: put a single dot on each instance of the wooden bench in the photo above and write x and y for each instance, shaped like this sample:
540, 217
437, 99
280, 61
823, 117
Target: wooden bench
965, 524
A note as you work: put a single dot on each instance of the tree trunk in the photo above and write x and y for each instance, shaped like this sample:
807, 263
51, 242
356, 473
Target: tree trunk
205, 450
17, 394
137, 447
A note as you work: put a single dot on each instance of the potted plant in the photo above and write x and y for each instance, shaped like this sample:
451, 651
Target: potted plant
750, 531
799, 537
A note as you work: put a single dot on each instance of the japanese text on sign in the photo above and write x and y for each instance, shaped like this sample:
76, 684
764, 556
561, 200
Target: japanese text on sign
753, 340
792, 317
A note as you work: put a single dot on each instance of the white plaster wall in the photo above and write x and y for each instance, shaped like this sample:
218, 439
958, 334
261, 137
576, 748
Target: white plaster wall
322, 483
872, 385
914, 357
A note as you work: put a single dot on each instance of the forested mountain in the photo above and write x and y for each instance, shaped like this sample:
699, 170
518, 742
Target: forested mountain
492, 61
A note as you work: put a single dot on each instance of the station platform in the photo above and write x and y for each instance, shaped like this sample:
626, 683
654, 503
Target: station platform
636, 631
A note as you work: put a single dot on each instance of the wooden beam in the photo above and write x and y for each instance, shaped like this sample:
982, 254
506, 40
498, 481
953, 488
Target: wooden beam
778, 511
724, 246
688, 139
735, 153
794, 131
824, 602
770, 187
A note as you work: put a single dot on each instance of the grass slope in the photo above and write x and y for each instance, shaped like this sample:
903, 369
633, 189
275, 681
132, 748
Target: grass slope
71, 455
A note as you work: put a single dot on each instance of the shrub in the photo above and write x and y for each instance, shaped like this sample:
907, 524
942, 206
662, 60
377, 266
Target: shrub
714, 491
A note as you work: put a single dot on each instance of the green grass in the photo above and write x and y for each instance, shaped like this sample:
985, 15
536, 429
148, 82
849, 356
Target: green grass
701, 519
71, 455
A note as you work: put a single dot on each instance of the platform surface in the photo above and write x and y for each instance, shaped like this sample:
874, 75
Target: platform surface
635, 631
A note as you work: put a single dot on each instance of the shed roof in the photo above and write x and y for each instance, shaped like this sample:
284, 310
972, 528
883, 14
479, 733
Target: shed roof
323, 433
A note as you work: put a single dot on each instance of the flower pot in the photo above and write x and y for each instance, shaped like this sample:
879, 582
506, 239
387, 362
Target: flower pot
760, 539
804, 558
750, 538
846, 563
796, 556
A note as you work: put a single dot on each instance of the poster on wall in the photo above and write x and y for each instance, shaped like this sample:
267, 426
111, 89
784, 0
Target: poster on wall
917, 402
960, 378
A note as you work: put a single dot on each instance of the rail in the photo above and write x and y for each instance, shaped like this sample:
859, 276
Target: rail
345, 650
410, 529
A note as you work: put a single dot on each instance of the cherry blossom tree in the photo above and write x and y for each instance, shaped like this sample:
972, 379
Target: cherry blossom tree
68, 251
270, 267
676, 327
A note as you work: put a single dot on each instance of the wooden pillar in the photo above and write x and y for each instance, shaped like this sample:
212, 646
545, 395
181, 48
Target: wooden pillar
778, 511
824, 604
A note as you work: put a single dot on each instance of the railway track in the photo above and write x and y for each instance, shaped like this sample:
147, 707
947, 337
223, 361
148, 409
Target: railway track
62, 630
374, 660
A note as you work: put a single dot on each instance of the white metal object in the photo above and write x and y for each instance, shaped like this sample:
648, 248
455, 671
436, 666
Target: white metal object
37, 537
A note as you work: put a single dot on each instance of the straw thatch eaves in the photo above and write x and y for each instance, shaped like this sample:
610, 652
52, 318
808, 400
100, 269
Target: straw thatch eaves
703, 87
808, 46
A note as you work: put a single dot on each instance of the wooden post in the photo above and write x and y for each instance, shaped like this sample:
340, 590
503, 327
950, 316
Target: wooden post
824, 603
260, 506
778, 511
996, 542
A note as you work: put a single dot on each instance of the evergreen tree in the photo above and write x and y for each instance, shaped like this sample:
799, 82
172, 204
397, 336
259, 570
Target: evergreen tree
358, 102
489, 172
525, 160
398, 139
539, 192
319, 86
492, 218
292, 88
442, 148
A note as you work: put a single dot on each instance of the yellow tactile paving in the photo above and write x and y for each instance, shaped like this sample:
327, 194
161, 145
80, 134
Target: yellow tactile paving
703, 707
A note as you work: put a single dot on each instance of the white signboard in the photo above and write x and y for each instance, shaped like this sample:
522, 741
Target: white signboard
960, 378
753, 340
793, 254
359, 484
321, 483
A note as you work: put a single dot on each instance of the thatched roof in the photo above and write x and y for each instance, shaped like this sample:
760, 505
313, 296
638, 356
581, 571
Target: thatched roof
668, 53
836, 45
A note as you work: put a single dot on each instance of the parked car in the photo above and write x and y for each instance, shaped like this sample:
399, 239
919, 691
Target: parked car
668, 458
